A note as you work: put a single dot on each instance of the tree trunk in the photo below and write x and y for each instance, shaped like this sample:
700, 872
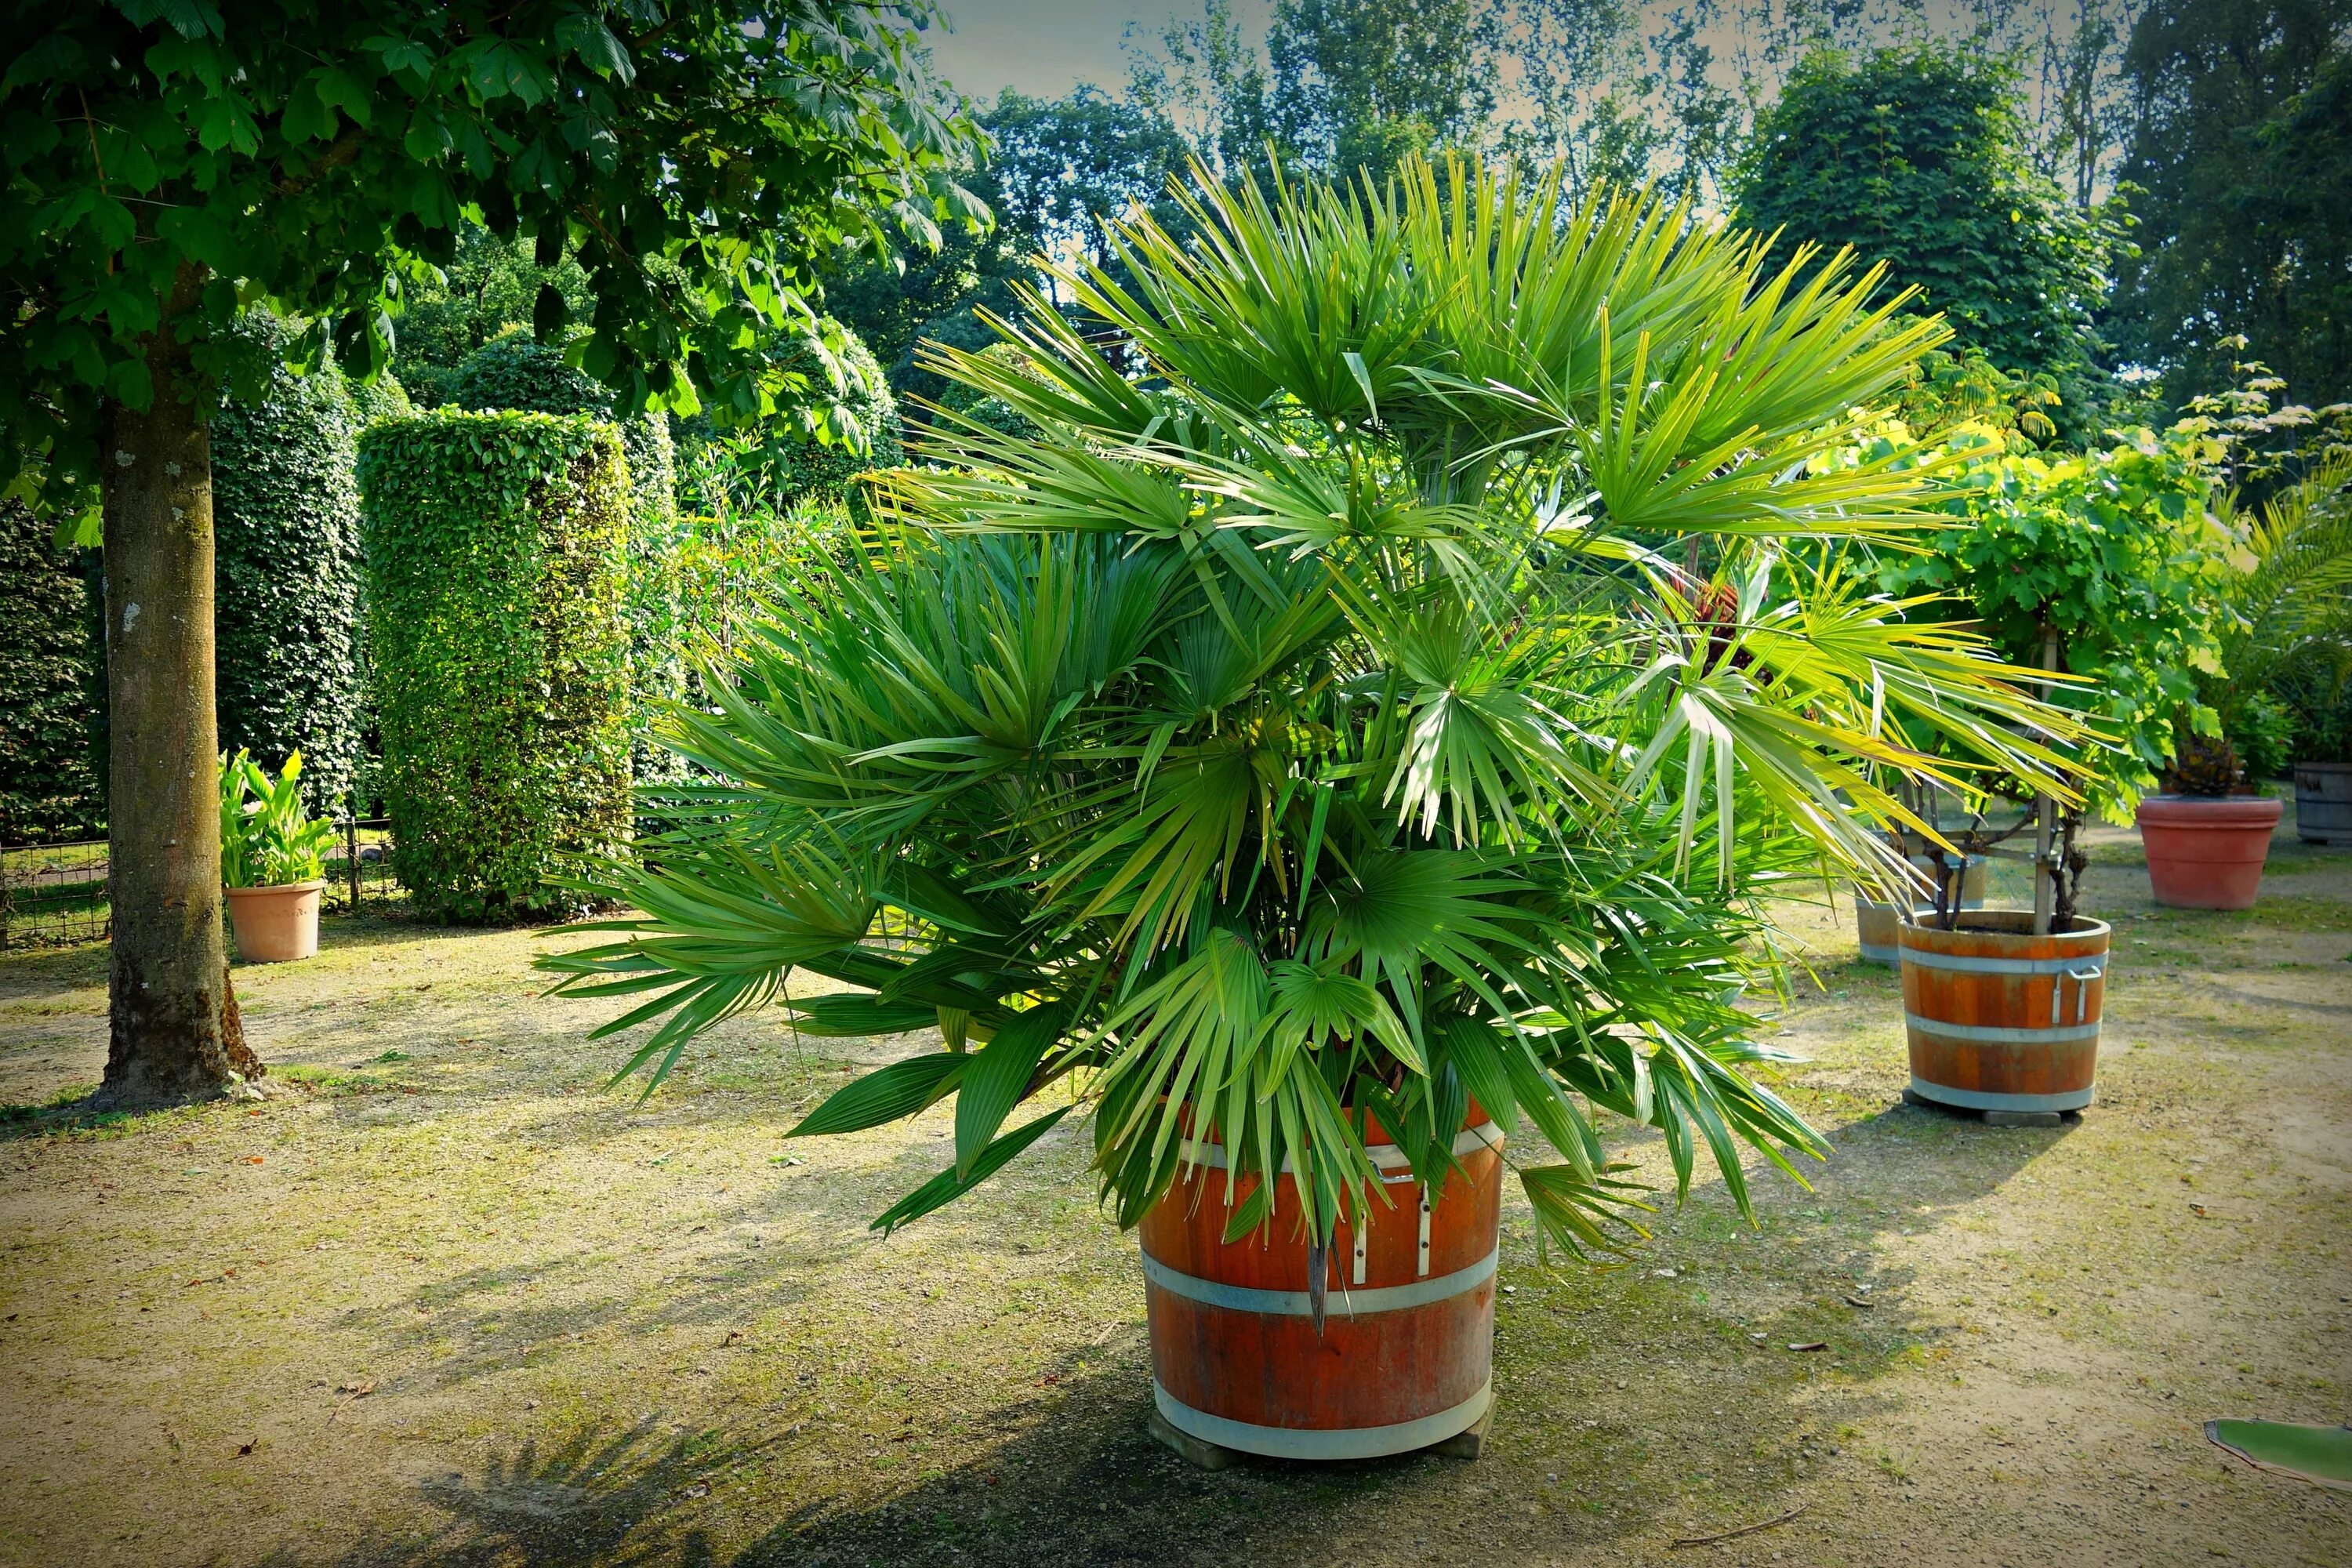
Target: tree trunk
174, 1033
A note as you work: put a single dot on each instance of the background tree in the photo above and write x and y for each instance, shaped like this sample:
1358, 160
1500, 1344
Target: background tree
2241, 147
490, 285
169, 165
1057, 170
1344, 85
1918, 156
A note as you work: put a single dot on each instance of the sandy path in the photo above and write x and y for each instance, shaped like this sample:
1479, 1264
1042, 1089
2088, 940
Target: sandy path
454, 1303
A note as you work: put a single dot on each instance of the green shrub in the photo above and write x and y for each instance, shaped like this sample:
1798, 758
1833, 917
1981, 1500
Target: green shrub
843, 421
286, 573
382, 398
656, 623
52, 681
497, 553
518, 371
2117, 553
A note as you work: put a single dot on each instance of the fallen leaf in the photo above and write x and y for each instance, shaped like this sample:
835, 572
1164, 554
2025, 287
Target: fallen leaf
253, 1158
356, 1390
1858, 1301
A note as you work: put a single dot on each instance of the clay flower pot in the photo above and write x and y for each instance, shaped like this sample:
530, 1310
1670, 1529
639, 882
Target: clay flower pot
2207, 852
277, 924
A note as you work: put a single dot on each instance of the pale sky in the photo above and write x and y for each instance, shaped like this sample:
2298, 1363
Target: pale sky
1045, 48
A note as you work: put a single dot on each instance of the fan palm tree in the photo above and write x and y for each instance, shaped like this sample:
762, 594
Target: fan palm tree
2287, 620
1396, 694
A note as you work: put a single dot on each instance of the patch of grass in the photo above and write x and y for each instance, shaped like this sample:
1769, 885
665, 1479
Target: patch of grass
10, 1115
66, 1115
332, 1082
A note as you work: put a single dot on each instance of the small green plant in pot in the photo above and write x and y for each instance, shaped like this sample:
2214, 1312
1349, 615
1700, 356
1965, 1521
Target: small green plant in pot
272, 859
1303, 760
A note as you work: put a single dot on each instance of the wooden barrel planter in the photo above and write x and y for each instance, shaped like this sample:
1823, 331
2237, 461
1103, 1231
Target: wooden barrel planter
2207, 853
2001, 1019
1405, 1356
1875, 923
2323, 803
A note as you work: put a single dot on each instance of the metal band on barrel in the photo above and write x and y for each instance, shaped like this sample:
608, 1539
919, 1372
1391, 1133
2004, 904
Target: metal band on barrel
2094, 962
1387, 1156
1978, 1034
1294, 1303
1985, 1100
1321, 1442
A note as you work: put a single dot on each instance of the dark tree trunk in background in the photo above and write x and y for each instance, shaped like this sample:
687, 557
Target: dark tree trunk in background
173, 1032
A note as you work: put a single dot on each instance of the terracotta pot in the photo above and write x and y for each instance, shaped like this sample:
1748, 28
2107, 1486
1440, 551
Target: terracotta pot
2000, 1020
2323, 803
1406, 1358
276, 924
2207, 852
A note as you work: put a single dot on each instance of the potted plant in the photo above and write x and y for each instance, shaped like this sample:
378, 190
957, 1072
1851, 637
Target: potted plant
2105, 569
2286, 617
2207, 835
1299, 759
272, 859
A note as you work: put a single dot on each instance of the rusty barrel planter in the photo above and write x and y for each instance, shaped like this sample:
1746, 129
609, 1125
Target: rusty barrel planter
1405, 1357
2001, 1019
2207, 852
1875, 923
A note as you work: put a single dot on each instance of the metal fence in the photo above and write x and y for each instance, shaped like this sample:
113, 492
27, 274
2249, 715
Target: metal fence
54, 895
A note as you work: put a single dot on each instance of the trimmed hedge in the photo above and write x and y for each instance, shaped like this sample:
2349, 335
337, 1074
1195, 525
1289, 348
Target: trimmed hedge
498, 560
517, 371
52, 682
286, 574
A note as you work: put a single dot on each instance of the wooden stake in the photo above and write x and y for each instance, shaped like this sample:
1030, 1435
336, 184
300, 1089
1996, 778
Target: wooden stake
2045, 813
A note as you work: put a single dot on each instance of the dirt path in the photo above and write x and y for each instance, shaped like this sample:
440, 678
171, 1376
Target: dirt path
452, 1303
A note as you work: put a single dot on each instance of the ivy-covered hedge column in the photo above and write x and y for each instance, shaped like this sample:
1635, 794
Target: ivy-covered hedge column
50, 685
286, 573
497, 555
516, 370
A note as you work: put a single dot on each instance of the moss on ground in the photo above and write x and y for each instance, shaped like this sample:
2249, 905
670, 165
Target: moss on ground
448, 1299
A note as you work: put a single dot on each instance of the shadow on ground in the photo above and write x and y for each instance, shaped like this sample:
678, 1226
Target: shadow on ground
1062, 1473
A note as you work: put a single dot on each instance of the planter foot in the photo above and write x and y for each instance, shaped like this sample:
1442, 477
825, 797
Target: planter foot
1194, 1451
1466, 1445
1995, 1118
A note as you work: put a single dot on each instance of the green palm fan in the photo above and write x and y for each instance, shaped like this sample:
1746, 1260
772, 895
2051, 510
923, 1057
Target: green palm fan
1396, 686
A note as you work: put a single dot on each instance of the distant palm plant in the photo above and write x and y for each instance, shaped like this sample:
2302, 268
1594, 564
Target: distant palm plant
2287, 626
1394, 695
